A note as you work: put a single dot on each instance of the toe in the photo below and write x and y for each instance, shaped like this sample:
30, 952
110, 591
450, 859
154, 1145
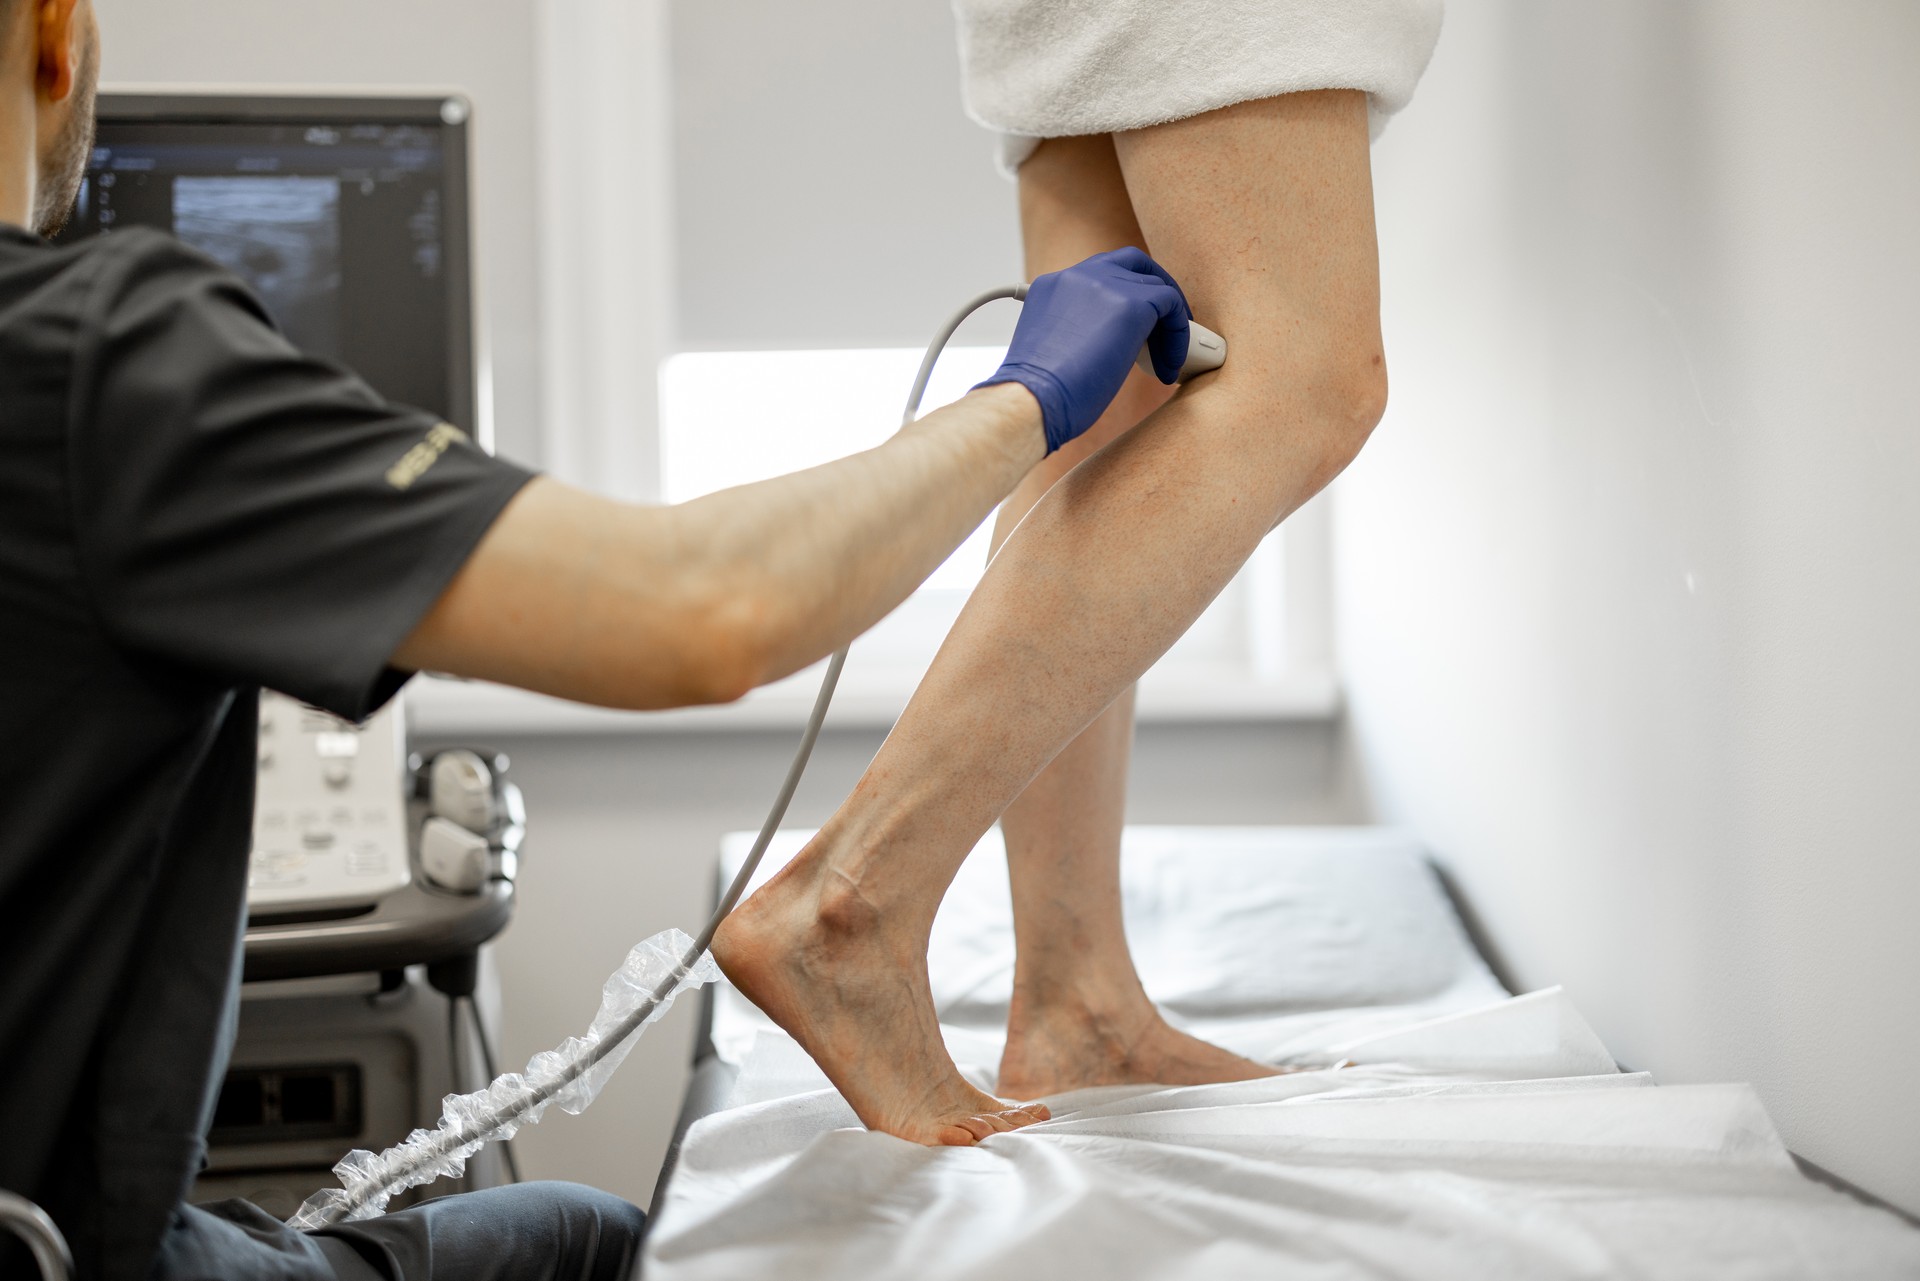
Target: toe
959, 1135
981, 1126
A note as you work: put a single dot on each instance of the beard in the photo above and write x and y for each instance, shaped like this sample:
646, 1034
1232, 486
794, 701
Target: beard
64, 168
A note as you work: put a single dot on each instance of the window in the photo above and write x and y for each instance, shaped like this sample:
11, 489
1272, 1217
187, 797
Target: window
733, 417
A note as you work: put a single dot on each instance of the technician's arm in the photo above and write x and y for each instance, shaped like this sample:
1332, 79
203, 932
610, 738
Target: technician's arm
641, 607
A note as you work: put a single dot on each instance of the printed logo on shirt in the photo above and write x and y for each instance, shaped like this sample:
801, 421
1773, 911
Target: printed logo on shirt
414, 463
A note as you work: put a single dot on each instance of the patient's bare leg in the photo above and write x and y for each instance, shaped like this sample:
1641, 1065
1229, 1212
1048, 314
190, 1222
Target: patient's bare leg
1264, 213
1080, 1015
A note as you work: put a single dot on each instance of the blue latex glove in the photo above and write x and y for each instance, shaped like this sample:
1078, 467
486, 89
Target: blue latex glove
1081, 331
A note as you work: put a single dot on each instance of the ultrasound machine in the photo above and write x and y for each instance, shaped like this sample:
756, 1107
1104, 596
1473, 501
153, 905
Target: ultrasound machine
376, 878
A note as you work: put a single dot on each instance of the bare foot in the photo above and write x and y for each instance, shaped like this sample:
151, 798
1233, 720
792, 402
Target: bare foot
1069, 1046
852, 989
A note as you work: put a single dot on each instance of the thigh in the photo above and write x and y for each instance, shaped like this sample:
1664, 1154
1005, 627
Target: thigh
549, 1231
1263, 211
1074, 203
239, 1239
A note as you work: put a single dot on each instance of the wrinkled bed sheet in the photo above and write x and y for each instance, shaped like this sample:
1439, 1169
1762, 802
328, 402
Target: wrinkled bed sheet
1468, 1134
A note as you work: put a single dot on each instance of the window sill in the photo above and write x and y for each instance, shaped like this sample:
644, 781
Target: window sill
443, 707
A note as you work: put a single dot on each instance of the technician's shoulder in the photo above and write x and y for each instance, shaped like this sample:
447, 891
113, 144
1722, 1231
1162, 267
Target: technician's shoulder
144, 275
59, 302
36, 274
144, 249
49, 298
43, 293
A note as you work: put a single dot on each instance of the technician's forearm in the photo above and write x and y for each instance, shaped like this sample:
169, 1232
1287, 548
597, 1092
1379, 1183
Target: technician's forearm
806, 562
635, 606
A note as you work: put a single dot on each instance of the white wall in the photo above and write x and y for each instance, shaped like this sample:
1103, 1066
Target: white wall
482, 46
1629, 580
828, 187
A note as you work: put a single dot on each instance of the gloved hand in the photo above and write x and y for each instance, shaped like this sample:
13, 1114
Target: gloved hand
1082, 330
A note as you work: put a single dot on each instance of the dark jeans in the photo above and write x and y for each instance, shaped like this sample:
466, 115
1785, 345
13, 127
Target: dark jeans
529, 1231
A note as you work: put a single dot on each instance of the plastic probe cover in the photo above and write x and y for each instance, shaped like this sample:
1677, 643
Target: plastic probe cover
379, 1177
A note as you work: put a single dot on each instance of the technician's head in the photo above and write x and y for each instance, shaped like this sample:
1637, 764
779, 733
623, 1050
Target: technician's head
49, 66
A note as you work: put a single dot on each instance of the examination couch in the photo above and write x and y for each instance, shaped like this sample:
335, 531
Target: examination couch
1439, 1126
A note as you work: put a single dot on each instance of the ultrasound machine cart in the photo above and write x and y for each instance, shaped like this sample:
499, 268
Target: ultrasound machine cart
369, 909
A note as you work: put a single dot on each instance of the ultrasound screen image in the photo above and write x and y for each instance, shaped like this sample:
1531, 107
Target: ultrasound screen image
282, 236
340, 228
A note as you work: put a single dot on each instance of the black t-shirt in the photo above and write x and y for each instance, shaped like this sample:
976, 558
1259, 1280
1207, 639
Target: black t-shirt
189, 509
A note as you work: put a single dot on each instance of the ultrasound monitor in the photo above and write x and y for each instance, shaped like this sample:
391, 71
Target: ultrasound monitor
347, 215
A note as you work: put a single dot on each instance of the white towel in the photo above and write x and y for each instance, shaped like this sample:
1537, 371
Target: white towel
1035, 69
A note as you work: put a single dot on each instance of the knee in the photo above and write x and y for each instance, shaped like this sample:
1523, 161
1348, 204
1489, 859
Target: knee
1313, 405
616, 1218
1360, 402
594, 1233
1349, 395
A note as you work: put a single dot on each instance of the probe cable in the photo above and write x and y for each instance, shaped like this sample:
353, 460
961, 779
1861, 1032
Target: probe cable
447, 1147
485, 1038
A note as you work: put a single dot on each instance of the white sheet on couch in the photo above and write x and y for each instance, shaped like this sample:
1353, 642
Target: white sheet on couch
1476, 1135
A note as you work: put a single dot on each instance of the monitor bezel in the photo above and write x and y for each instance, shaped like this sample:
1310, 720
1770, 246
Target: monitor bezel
451, 112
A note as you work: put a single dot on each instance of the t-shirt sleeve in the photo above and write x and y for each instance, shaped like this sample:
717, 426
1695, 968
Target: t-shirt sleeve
251, 511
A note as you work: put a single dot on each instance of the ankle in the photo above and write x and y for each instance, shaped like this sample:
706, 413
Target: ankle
841, 911
1089, 994
840, 886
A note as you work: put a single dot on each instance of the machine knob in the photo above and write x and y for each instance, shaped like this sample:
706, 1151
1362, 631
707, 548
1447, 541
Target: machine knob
461, 789
454, 858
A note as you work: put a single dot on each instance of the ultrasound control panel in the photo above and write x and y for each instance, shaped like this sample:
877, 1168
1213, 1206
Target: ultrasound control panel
329, 819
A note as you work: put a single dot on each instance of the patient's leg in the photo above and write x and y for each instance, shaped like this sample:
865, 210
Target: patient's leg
1080, 1015
1264, 214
